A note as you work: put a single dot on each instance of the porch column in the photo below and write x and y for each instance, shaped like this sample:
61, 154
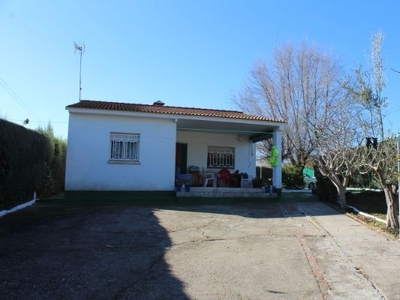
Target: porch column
277, 171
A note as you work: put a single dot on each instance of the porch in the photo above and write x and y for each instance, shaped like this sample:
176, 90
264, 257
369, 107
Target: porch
212, 154
224, 192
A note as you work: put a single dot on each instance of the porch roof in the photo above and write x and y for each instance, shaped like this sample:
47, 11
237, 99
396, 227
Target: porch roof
187, 118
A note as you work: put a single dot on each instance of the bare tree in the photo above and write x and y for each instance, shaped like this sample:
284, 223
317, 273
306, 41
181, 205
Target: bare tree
338, 142
381, 158
380, 154
300, 84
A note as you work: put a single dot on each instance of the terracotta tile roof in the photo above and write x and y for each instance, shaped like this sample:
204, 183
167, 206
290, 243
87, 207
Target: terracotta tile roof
173, 110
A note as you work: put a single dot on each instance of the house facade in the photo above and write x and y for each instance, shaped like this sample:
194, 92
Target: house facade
140, 147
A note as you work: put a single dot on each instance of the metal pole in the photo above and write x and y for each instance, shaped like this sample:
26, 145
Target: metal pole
81, 48
80, 76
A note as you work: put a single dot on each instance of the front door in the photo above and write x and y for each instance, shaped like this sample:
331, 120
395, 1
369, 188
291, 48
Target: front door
181, 158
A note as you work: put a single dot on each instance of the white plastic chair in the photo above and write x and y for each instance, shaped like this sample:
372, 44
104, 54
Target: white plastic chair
209, 177
246, 182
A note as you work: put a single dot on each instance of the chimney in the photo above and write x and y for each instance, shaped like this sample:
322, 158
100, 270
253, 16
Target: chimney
158, 103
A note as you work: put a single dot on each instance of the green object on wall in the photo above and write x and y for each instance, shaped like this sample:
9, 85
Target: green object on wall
273, 160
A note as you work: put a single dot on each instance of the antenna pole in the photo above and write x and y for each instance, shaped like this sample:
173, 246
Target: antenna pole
81, 48
80, 77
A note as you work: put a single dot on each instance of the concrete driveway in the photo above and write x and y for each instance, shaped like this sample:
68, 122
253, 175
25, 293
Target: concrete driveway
271, 250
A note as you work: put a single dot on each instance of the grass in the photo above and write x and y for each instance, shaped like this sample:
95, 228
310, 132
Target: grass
372, 203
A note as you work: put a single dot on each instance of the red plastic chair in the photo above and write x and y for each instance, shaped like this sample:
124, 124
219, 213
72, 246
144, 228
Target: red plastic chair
224, 178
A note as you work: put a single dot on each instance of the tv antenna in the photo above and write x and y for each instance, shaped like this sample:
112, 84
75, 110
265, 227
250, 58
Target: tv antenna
80, 46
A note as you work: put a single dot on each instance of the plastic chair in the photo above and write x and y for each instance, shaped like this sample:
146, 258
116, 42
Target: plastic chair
224, 178
210, 177
246, 182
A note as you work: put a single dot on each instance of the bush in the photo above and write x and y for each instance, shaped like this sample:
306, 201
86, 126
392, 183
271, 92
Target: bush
22, 163
54, 178
368, 180
292, 177
29, 162
326, 189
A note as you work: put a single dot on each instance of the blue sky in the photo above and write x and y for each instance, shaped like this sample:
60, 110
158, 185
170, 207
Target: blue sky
184, 53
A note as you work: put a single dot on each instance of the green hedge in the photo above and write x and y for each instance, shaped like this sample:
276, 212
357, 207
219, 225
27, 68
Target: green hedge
326, 189
28, 163
53, 181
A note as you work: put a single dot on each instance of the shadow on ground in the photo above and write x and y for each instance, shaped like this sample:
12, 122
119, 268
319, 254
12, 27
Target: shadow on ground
58, 251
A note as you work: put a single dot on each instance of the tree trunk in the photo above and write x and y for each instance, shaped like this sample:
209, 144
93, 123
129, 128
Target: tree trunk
341, 196
341, 191
392, 219
301, 174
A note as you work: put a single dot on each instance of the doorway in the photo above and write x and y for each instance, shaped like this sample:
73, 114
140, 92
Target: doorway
181, 158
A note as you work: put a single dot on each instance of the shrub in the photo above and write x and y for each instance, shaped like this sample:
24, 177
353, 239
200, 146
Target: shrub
326, 189
54, 178
22, 163
292, 176
29, 161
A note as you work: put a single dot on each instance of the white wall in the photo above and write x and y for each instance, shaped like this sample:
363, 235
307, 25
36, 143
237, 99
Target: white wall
245, 151
88, 166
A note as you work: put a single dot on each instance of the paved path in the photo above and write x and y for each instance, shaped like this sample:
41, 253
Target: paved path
276, 250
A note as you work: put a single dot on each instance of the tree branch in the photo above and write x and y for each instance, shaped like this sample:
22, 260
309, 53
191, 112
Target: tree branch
395, 70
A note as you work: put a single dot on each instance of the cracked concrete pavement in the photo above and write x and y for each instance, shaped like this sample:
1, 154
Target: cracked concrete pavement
271, 250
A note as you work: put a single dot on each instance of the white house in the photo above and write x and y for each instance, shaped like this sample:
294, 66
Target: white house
140, 147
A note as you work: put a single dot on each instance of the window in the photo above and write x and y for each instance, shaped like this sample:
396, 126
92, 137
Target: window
221, 157
124, 147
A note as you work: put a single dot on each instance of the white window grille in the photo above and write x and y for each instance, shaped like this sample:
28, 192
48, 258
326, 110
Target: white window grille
221, 157
124, 147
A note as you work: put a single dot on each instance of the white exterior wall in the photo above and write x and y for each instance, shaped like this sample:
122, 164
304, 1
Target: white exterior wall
88, 166
245, 151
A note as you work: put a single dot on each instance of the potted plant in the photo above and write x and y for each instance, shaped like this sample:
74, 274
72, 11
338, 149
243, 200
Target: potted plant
178, 185
187, 186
